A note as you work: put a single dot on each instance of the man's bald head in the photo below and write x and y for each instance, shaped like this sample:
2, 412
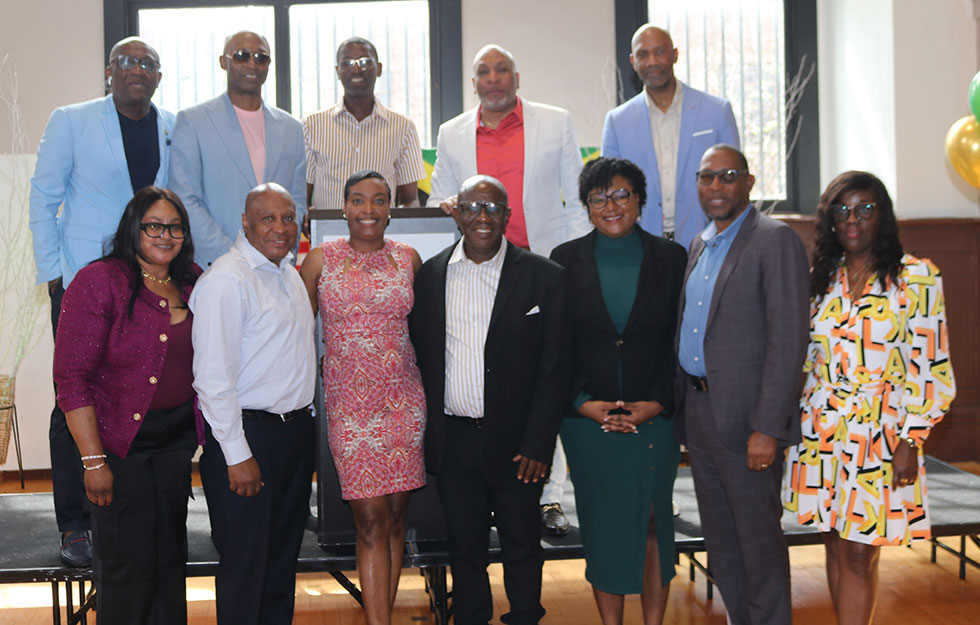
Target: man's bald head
482, 185
123, 43
236, 40
257, 195
492, 47
650, 30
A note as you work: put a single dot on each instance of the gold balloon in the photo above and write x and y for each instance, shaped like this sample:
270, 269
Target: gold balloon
963, 149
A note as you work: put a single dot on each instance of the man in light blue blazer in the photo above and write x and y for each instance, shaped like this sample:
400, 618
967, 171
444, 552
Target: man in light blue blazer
225, 147
93, 156
665, 130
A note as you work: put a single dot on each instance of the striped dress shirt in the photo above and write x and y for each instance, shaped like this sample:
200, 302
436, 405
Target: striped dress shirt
470, 291
337, 145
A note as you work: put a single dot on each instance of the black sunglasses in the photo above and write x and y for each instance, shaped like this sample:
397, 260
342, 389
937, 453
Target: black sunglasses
727, 176
862, 212
155, 230
472, 209
242, 55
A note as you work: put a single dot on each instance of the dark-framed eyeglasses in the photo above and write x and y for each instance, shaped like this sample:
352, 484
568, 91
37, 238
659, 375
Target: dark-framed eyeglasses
862, 211
364, 63
492, 209
619, 197
155, 230
727, 176
127, 62
242, 55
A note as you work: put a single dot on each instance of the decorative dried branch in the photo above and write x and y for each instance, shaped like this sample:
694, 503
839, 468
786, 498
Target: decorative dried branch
794, 119
21, 322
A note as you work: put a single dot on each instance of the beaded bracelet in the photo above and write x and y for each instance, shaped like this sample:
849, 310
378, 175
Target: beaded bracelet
98, 457
93, 468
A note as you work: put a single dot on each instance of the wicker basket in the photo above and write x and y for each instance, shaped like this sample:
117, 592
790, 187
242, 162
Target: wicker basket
6, 414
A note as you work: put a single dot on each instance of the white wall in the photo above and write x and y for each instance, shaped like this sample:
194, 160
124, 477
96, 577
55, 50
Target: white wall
893, 77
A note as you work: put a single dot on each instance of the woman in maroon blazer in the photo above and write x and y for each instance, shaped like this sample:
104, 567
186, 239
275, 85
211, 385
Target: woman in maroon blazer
122, 365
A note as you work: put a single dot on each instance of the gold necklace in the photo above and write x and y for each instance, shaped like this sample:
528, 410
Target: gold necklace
154, 278
860, 278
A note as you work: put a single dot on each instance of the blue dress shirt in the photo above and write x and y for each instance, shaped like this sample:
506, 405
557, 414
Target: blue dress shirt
697, 294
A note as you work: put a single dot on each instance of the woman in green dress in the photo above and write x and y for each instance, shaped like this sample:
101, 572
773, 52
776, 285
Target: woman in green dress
623, 289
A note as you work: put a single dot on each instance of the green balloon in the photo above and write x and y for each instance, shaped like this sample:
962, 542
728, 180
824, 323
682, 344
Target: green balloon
975, 96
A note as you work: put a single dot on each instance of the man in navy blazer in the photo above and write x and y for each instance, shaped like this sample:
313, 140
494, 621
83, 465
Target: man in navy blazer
490, 335
225, 147
665, 129
93, 156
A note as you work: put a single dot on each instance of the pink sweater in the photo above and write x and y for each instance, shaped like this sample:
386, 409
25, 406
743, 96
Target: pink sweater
104, 359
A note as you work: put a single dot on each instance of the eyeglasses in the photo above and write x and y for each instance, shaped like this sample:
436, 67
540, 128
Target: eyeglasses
472, 209
619, 197
862, 212
242, 55
365, 63
155, 230
727, 176
125, 62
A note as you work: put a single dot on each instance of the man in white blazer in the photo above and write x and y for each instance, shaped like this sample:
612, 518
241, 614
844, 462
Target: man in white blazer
93, 156
520, 143
531, 148
225, 147
665, 130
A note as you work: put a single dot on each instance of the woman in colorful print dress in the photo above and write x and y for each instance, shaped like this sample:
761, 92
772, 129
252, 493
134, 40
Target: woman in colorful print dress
375, 406
878, 378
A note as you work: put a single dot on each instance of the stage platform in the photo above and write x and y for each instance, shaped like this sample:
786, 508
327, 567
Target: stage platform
28, 547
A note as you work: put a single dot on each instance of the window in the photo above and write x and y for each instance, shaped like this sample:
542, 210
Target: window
418, 41
747, 52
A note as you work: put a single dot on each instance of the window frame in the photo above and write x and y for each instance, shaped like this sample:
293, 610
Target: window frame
800, 35
121, 19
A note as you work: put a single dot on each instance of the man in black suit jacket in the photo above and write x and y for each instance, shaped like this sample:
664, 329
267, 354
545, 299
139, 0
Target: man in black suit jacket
490, 336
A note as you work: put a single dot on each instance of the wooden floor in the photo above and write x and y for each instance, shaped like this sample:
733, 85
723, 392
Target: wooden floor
912, 590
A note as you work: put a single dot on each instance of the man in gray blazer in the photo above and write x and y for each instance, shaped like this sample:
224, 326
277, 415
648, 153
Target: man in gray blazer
225, 147
742, 336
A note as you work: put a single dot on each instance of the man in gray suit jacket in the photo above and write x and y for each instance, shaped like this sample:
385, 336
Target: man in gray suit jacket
743, 329
225, 147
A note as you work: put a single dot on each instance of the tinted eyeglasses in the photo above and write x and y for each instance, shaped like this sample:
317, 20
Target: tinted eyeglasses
242, 55
862, 212
365, 63
619, 197
126, 62
472, 209
155, 230
727, 176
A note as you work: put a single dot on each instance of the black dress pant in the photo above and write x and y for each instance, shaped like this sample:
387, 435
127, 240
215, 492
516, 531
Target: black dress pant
70, 500
468, 501
139, 541
740, 513
258, 538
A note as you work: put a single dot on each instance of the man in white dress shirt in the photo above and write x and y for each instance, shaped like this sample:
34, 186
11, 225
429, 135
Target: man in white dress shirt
254, 373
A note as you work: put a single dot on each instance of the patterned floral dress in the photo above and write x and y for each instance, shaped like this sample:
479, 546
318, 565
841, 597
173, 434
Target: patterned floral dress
373, 391
877, 372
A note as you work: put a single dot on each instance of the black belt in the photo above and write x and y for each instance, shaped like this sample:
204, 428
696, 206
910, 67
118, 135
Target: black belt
476, 422
699, 384
248, 413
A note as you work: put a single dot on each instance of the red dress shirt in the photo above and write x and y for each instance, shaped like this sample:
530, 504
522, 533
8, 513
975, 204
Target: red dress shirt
500, 153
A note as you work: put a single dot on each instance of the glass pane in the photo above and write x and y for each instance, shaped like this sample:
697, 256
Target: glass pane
191, 40
736, 50
398, 29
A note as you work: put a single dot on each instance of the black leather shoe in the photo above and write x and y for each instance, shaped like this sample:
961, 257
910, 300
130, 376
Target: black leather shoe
76, 549
553, 520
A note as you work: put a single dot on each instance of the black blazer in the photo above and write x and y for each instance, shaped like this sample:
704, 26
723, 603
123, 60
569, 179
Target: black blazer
646, 347
526, 379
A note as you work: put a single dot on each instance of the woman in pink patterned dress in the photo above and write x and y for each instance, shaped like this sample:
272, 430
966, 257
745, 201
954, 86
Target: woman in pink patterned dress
375, 406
